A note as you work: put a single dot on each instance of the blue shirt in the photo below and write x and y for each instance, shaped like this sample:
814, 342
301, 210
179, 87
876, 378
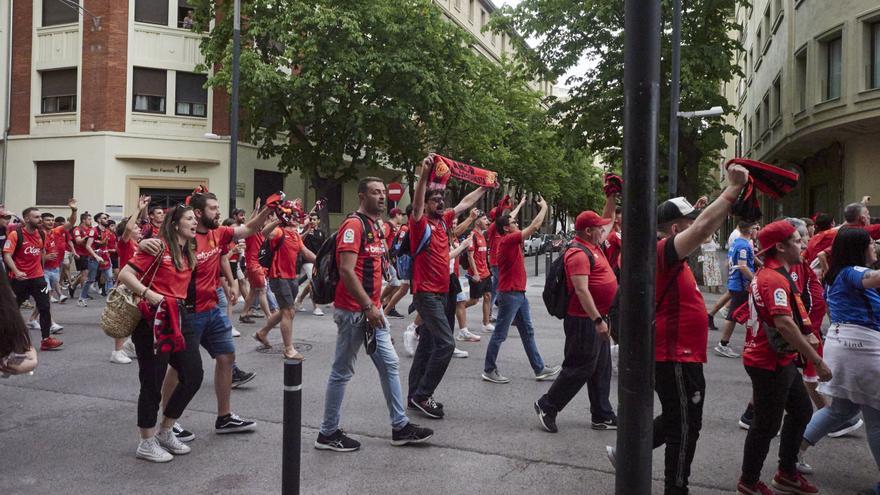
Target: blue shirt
849, 302
740, 250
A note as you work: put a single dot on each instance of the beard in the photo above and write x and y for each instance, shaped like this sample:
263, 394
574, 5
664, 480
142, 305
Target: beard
209, 223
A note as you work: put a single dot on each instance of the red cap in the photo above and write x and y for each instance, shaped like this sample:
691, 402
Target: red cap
773, 233
394, 212
589, 219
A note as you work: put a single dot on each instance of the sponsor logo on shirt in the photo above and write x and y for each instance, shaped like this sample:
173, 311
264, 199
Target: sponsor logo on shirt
780, 298
31, 250
348, 236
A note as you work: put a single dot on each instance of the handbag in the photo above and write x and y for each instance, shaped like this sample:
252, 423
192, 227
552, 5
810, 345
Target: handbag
121, 314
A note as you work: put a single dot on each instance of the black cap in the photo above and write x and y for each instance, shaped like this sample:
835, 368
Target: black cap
674, 209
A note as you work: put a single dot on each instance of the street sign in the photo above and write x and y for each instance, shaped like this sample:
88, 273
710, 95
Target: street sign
395, 191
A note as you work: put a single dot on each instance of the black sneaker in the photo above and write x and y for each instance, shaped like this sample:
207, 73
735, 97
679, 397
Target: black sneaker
337, 442
410, 404
712, 322
394, 314
182, 434
745, 421
429, 407
231, 423
548, 421
411, 433
608, 424
240, 377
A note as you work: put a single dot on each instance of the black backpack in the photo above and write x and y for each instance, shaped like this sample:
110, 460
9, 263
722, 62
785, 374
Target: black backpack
325, 274
19, 241
555, 294
267, 252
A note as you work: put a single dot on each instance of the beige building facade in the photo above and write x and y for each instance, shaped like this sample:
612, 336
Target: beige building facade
809, 100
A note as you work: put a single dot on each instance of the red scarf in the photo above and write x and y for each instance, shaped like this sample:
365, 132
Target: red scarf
165, 319
444, 168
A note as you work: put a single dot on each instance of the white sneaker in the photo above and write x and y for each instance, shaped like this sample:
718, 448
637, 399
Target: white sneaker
410, 340
82, 303
129, 349
802, 466
168, 441
458, 353
33, 324
725, 351
235, 332
150, 450
119, 357
300, 308
488, 328
63, 298
55, 328
318, 311
465, 335
53, 300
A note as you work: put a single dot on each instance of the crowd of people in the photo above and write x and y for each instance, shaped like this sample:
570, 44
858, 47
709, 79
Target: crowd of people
190, 270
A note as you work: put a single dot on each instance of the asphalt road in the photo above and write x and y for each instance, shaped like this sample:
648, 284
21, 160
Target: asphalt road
70, 428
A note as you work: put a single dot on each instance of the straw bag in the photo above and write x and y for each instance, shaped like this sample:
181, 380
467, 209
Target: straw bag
121, 314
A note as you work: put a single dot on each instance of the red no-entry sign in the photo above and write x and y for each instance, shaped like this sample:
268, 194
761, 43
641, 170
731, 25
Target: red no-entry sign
395, 191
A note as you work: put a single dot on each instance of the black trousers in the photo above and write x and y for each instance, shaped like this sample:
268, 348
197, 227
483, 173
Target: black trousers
776, 393
681, 389
587, 362
436, 344
39, 290
152, 367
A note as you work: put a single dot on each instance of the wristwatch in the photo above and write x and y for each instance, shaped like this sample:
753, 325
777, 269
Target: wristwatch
598, 320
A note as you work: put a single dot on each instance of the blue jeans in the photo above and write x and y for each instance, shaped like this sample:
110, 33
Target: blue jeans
349, 339
841, 410
513, 307
494, 270
92, 267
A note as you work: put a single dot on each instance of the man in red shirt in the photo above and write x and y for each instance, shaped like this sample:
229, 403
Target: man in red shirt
213, 329
286, 243
479, 276
56, 242
681, 327
390, 230
493, 237
592, 285
779, 328
104, 272
430, 218
513, 306
23, 253
151, 221
360, 256
87, 259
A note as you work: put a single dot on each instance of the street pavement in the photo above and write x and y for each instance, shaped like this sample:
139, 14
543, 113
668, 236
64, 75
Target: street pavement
70, 428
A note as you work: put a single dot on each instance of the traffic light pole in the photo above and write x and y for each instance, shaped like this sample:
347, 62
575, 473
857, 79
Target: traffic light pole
641, 82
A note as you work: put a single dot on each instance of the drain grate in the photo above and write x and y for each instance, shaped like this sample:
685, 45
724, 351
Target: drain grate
302, 347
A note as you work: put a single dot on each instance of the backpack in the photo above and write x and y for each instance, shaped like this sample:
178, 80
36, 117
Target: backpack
267, 252
402, 246
20, 238
325, 274
555, 294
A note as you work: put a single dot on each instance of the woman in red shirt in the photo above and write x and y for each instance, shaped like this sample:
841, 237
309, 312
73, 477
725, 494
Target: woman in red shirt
162, 281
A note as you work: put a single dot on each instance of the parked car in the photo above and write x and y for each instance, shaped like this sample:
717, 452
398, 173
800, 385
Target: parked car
532, 245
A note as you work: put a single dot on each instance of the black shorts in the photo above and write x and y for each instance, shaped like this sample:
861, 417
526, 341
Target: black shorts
285, 291
82, 263
114, 261
737, 299
480, 288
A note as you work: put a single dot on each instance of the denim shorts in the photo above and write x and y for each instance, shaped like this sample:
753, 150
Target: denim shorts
52, 276
285, 290
213, 331
404, 267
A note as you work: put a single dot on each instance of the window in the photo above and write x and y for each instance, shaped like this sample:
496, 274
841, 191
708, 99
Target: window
192, 97
759, 39
874, 65
457, 4
482, 18
471, 12
184, 14
56, 12
58, 92
777, 98
54, 182
738, 147
334, 198
765, 111
768, 27
741, 89
503, 43
148, 90
758, 122
833, 58
800, 67
778, 9
748, 134
267, 182
493, 38
151, 11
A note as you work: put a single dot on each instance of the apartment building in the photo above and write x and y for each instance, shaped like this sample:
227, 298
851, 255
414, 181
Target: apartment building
105, 104
809, 100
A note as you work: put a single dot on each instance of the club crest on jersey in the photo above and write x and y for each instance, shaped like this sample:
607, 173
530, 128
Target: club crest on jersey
780, 298
348, 236
794, 276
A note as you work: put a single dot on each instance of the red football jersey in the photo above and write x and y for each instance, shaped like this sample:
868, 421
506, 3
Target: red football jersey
352, 238
511, 263
210, 246
682, 329
431, 266
29, 258
601, 281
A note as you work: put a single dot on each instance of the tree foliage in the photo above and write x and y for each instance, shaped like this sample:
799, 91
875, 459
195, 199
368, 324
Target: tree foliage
568, 32
333, 89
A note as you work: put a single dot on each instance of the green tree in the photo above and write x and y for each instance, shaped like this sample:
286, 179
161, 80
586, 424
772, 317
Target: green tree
593, 115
